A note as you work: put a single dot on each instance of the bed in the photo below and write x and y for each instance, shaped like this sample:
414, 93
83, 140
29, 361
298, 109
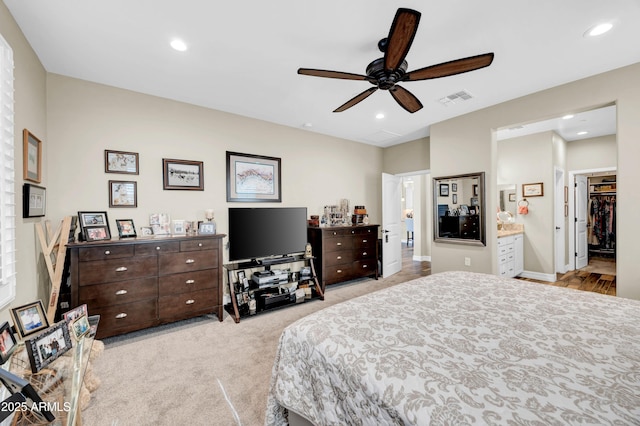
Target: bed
462, 348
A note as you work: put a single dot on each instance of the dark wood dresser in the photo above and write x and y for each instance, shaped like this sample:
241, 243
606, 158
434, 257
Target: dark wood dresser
344, 252
143, 282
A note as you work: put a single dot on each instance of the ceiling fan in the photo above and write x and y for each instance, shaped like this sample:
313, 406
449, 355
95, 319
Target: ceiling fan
384, 73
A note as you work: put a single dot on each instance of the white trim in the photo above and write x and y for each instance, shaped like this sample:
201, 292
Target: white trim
572, 208
539, 276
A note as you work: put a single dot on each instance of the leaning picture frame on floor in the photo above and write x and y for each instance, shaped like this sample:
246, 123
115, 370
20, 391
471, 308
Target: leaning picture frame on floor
48, 346
29, 318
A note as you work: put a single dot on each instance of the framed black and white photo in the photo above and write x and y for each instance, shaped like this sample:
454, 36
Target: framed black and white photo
443, 189
29, 318
126, 229
146, 231
121, 162
48, 346
123, 193
183, 174
8, 342
34, 200
253, 178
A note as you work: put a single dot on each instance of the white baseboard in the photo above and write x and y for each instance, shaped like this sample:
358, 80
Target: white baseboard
539, 276
421, 258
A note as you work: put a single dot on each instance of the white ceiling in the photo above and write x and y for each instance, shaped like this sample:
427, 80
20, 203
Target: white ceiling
243, 55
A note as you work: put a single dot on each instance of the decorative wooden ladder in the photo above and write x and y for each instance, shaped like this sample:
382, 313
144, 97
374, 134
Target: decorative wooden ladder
55, 248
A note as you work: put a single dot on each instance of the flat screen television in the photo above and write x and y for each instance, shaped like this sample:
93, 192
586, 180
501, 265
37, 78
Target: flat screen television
264, 232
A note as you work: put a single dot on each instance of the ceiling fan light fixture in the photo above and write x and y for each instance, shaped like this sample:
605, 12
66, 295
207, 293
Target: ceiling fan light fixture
598, 29
178, 45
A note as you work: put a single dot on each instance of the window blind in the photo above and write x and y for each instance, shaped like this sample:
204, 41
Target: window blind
7, 179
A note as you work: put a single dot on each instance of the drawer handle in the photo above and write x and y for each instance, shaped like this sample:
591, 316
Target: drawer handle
190, 302
364, 253
121, 315
364, 241
158, 248
353, 232
339, 244
199, 244
339, 257
121, 269
190, 261
335, 233
121, 292
190, 281
365, 266
339, 271
107, 252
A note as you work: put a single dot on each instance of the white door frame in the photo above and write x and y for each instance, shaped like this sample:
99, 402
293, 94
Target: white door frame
559, 221
572, 207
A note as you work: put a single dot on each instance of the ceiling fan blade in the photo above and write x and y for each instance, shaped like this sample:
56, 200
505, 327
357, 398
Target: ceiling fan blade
405, 98
446, 69
356, 99
403, 30
332, 74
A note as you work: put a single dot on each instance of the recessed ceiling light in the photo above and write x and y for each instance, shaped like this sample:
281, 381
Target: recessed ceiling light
379, 116
582, 133
307, 125
598, 29
568, 117
178, 45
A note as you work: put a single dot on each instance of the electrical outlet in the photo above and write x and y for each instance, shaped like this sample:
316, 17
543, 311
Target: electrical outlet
467, 261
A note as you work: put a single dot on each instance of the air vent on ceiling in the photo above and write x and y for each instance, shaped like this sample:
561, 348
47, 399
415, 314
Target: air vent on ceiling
455, 98
381, 137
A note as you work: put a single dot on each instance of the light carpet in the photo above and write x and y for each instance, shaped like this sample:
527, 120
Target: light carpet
201, 372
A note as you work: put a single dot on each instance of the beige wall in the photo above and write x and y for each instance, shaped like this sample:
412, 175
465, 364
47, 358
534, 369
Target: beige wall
85, 118
593, 153
407, 157
467, 144
30, 113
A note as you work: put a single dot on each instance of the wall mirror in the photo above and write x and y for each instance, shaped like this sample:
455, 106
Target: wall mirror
459, 209
507, 198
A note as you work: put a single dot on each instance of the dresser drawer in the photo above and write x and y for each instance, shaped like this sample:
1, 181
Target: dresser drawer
128, 317
187, 304
188, 281
338, 258
187, 261
110, 270
195, 245
335, 274
119, 292
338, 243
364, 253
365, 267
157, 248
86, 254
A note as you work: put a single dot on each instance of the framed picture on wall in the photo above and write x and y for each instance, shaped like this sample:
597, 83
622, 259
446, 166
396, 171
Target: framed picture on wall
123, 193
34, 200
32, 157
183, 174
121, 162
253, 178
443, 189
532, 189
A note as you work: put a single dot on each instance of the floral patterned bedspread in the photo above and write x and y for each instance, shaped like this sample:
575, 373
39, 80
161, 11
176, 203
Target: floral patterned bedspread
462, 348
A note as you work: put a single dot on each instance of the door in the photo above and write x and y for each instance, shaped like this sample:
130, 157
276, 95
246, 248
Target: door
581, 211
391, 224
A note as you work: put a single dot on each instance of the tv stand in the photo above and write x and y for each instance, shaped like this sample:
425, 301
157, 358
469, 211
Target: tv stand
276, 260
279, 294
